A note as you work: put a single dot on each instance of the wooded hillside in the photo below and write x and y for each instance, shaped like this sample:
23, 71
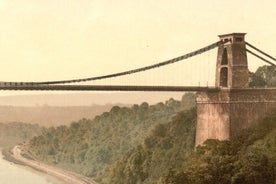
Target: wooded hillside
91, 147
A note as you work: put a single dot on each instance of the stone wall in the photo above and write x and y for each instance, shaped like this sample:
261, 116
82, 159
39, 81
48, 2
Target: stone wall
223, 114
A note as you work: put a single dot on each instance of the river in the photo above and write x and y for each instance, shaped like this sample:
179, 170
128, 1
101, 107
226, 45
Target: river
11, 173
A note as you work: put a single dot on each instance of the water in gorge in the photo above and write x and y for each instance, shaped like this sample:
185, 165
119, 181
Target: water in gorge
11, 173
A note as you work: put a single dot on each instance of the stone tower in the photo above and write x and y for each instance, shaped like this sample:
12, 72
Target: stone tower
224, 113
232, 69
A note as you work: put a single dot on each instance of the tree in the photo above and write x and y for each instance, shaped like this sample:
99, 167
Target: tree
265, 76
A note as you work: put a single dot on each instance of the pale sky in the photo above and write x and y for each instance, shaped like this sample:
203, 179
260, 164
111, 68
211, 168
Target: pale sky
64, 39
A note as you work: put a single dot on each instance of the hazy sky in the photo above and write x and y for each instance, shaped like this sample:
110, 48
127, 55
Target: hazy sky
64, 39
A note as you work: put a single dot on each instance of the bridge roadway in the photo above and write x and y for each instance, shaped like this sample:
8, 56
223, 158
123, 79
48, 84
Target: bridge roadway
104, 88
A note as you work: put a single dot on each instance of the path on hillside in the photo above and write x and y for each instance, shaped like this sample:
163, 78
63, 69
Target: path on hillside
66, 176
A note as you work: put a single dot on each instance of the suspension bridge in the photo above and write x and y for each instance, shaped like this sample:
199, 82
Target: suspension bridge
223, 110
74, 84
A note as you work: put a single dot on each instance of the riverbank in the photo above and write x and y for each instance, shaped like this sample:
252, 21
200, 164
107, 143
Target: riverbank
66, 176
6, 154
12, 173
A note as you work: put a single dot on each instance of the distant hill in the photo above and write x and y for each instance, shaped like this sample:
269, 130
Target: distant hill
12, 134
87, 98
63, 109
50, 115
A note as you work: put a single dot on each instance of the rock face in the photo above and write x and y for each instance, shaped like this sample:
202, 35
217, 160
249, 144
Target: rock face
223, 114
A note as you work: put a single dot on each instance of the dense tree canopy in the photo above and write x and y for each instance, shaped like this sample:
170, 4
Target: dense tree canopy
248, 159
91, 147
264, 76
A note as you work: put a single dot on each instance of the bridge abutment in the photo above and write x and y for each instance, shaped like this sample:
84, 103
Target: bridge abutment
224, 114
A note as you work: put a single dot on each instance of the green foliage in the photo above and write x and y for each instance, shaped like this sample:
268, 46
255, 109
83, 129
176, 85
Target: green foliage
155, 144
264, 76
248, 159
188, 101
92, 147
168, 145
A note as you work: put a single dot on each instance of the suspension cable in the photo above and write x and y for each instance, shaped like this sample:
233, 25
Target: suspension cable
174, 60
267, 55
265, 60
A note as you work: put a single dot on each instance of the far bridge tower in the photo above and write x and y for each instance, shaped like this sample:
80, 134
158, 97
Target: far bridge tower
223, 114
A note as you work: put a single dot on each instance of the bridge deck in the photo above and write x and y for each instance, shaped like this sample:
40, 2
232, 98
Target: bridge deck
105, 88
